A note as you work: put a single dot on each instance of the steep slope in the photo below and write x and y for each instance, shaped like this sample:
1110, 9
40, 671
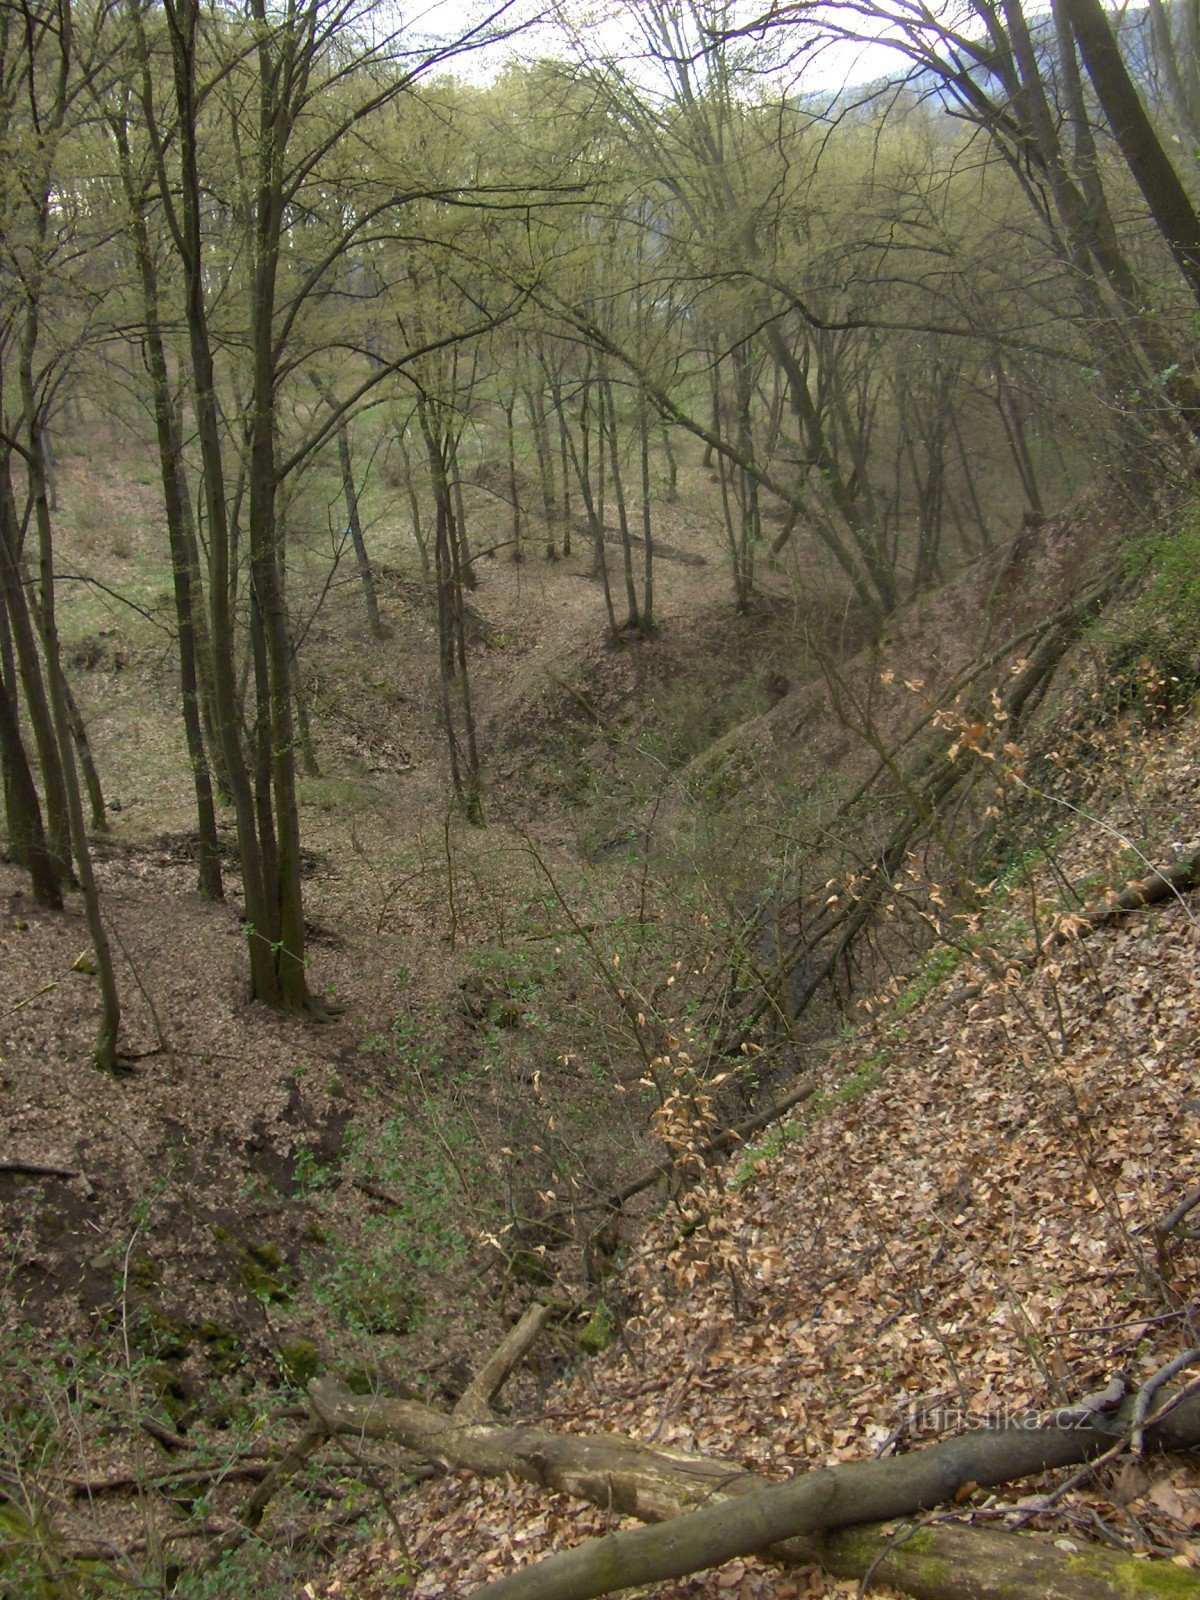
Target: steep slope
962, 1228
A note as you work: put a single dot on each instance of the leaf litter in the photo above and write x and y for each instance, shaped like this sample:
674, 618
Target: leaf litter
969, 1237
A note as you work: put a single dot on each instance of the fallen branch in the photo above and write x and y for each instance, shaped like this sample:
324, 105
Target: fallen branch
476, 1402
655, 1485
845, 1496
1170, 1224
804, 1090
36, 1169
606, 1469
1160, 884
167, 1483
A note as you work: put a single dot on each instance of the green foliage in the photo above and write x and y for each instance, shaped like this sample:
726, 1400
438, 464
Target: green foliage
934, 970
772, 1144
521, 971
309, 1172
409, 1045
254, 1568
371, 1283
689, 717
370, 1288
1153, 658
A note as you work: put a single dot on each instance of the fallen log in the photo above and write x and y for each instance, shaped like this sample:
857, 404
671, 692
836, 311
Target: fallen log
951, 1561
838, 1497
476, 1402
35, 1169
603, 1468
656, 1485
1159, 884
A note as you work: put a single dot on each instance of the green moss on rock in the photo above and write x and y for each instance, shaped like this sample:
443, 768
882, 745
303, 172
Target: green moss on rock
300, 1361
598, 1331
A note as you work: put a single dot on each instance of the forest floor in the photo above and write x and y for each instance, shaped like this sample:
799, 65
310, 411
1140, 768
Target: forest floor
960, 1230
958, 1225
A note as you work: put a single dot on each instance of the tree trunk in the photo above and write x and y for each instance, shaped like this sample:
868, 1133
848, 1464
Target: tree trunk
593, 504
261, 918
104, 1052
353, 518
648, 624
536, 407
290, 988
741, 1514
461, 744
23, 814
354, 528
1147, 160
514, 493
749, 1519
462, 548
83, 751
608, 408
33, 683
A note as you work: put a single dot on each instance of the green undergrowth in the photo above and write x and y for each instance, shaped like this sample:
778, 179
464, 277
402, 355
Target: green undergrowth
823, 1105
60, 1410
1153, 650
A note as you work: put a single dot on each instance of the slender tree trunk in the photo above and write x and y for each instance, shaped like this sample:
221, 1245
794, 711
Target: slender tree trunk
33, 683
514, 494
462, 548
261, 916
593, 506
414, 506
308, 750
672, 465
462, 749
27, 837
536, 408
354, 526
180, 538
353, 518
1009, 407
1165, 196
964, 457
648, 623
83, 751
104, 1052
607, 406
554, 383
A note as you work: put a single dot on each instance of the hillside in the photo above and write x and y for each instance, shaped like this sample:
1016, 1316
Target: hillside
599, 726
958, 1228
955, 1224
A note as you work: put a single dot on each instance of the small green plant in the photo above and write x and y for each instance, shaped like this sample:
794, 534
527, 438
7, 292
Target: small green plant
773, 1143
370, 1283
934, 970
776, 1138
309, 1173
371, 1287
598, 1332
519, 971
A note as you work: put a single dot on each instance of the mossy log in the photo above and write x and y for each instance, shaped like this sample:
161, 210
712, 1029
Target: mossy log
712, 1511
951, 1562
